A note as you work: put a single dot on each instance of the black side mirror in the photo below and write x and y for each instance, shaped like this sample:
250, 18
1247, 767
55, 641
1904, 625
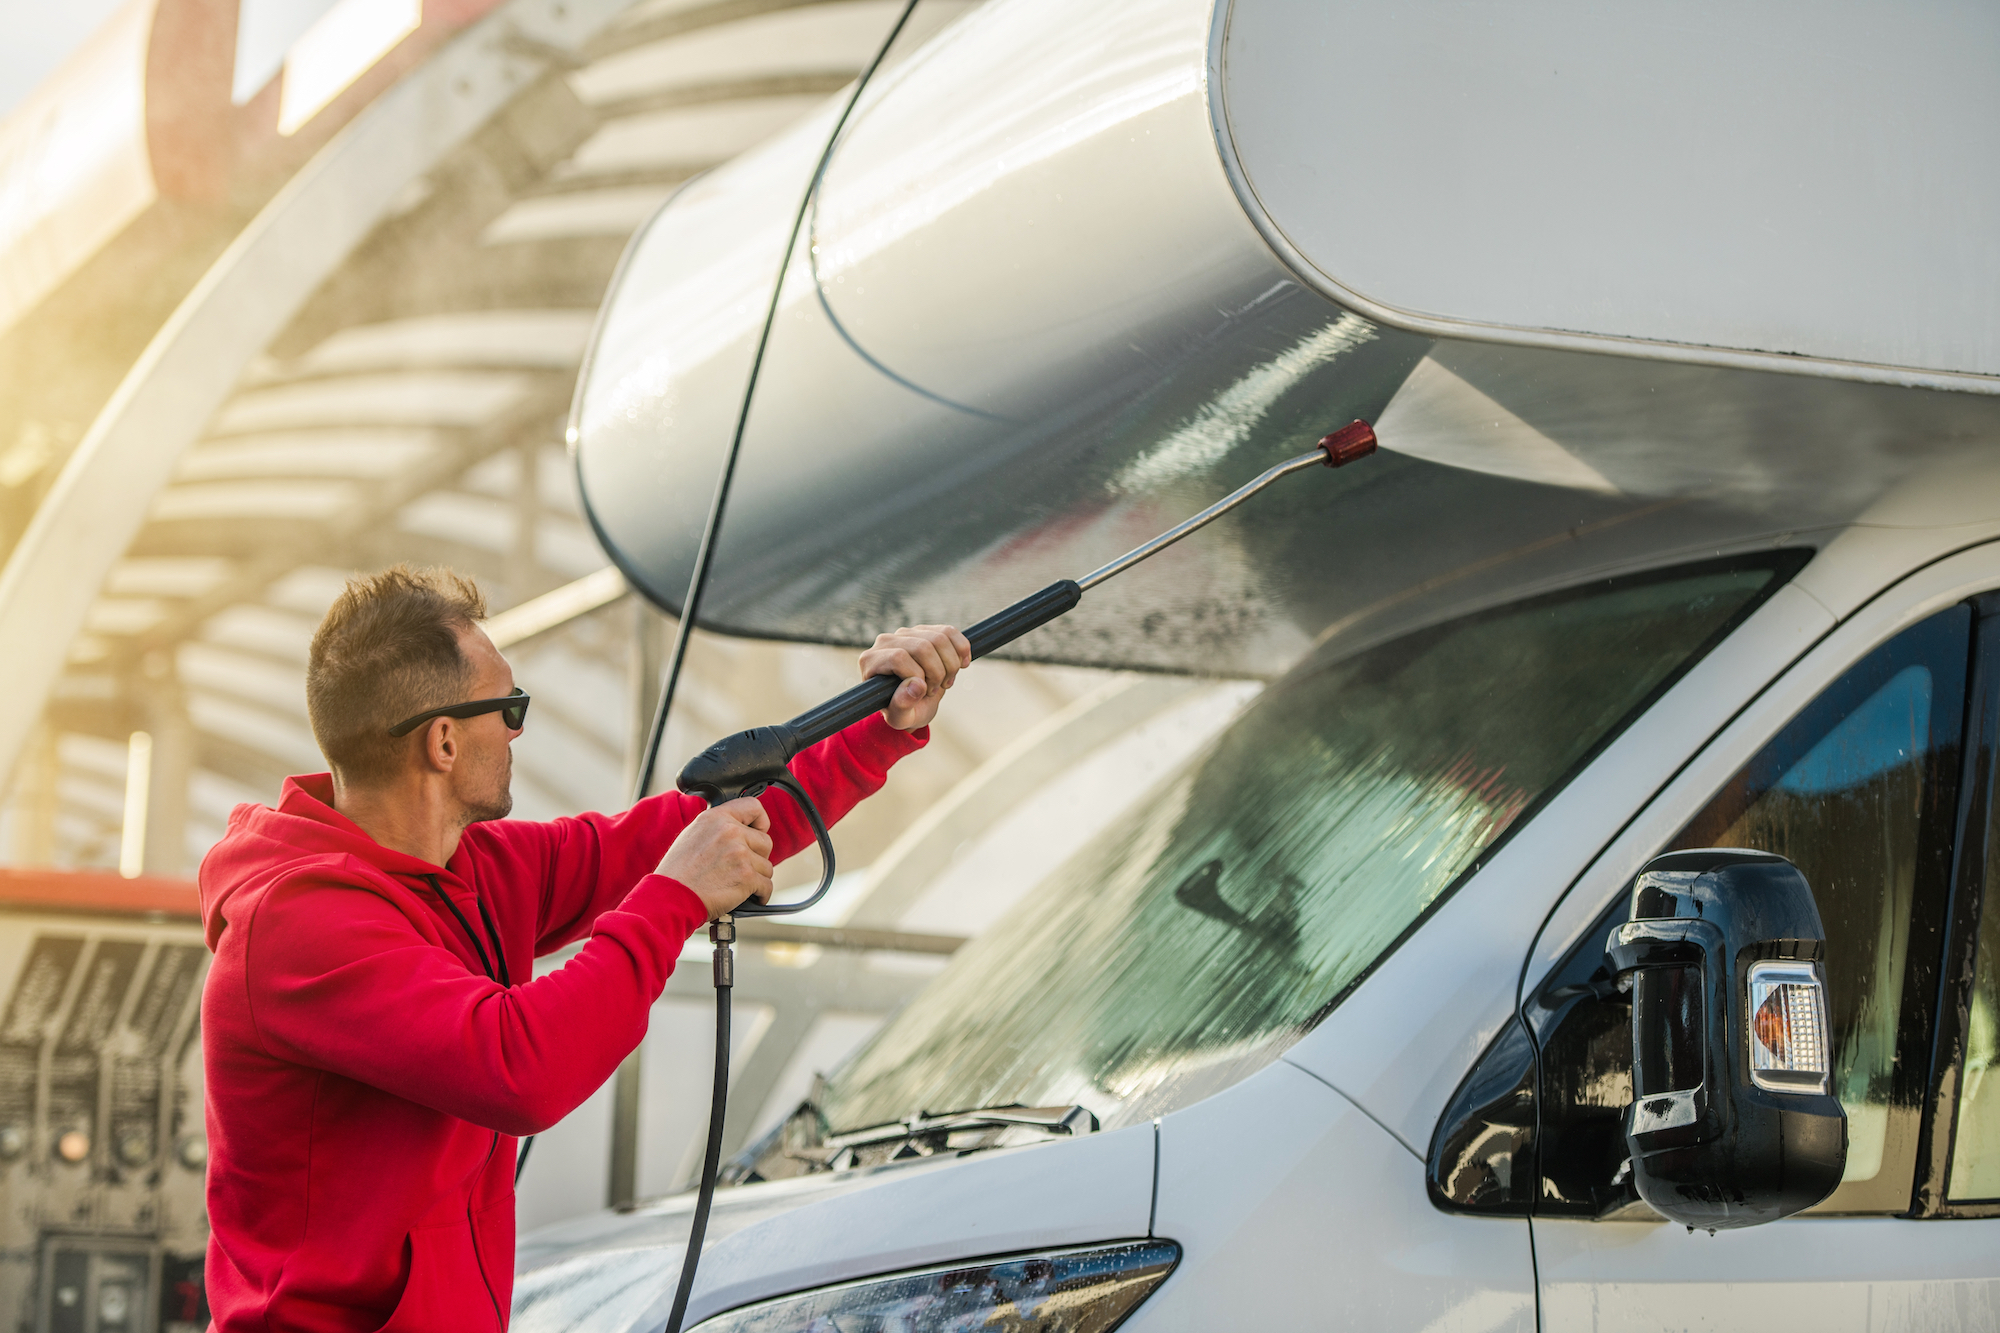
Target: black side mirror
1733, 1121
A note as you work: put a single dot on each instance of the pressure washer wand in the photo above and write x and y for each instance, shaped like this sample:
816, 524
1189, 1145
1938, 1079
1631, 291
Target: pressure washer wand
1032, 612
750, 761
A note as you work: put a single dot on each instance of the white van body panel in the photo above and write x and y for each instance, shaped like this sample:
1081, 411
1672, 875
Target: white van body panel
1828, 1274
1296, 1210
1949, 505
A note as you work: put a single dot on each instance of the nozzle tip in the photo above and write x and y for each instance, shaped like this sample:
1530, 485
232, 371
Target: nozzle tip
1351, 442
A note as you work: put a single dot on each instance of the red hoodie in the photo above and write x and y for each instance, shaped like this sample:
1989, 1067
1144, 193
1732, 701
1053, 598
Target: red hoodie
366, 1076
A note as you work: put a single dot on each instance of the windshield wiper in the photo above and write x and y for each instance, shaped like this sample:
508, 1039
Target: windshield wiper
1052, 1120
801, 1144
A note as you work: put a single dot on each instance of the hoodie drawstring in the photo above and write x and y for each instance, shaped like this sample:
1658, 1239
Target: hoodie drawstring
505, 979
492, 935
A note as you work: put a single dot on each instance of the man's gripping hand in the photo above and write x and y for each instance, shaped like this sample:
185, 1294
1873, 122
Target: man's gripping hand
724, 855
928, 658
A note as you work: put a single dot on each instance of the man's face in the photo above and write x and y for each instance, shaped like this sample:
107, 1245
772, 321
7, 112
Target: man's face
484, 774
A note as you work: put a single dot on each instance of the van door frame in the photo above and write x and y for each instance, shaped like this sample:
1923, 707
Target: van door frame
1959, 954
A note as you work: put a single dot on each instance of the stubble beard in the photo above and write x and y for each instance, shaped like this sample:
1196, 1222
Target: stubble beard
500, 803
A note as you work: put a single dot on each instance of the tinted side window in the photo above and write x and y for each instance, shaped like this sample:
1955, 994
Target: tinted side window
1975, 1151
1970, 1025
1858, 790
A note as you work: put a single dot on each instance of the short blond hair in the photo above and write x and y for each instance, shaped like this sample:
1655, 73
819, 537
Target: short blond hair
386, 650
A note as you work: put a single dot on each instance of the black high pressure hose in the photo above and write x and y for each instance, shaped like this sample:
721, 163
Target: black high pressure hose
724, 932
705, 552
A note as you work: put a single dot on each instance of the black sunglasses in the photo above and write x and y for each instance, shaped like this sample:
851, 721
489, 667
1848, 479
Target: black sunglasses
513, 710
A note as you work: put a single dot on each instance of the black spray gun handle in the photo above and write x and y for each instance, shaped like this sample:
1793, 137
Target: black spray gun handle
753, 761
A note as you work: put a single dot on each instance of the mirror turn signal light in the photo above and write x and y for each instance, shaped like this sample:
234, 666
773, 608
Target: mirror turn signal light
1788, 1048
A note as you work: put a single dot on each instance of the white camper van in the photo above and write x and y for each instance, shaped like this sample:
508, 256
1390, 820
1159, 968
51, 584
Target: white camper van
1681, 330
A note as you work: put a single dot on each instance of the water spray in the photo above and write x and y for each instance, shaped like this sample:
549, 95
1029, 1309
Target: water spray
752, 762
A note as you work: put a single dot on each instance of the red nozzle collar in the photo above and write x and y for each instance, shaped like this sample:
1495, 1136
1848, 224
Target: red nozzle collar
1351, 442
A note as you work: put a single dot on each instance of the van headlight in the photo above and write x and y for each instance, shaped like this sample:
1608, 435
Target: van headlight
1064, 1291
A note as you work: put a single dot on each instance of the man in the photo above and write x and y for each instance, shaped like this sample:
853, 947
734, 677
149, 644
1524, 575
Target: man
374, 1038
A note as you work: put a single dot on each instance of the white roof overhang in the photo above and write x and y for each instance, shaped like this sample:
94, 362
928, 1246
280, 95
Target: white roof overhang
1732, 182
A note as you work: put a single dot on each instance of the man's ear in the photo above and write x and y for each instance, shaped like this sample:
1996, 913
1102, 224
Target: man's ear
441, 744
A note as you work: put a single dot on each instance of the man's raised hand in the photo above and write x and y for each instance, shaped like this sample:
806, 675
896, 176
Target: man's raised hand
724, 855
928, 658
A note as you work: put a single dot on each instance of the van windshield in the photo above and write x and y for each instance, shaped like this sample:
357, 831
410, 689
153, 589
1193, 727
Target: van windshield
1256, 886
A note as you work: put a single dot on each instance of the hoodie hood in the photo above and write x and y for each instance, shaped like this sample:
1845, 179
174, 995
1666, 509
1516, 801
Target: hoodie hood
264, 844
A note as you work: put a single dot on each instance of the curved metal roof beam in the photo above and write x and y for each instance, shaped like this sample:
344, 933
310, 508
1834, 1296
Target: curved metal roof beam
253, 291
